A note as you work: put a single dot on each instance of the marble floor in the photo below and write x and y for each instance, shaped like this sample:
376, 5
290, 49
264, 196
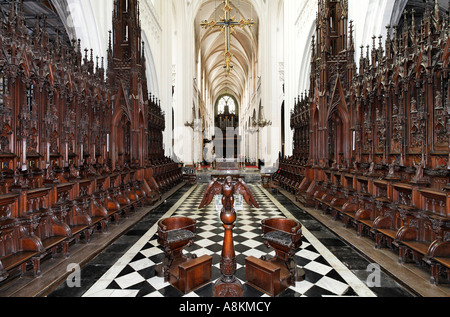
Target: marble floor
333, 267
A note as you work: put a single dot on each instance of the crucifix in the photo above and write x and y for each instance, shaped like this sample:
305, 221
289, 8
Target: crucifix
227, 24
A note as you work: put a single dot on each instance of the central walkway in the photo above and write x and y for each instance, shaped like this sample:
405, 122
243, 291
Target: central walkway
127, 267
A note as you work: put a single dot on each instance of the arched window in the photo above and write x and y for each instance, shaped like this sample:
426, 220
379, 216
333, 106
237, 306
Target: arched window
226, 101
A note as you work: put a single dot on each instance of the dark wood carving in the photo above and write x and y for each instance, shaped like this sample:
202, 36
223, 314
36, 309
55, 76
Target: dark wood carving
80, 143
284, 237
183, 272
378, 134
228, 285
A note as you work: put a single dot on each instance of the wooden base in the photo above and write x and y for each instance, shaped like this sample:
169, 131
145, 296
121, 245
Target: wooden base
191, 275
266, 276
231, 288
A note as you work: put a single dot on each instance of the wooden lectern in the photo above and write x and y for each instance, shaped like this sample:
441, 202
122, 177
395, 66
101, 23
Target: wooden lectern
228, 285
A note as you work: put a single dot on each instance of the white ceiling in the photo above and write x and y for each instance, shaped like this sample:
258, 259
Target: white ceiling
210, 44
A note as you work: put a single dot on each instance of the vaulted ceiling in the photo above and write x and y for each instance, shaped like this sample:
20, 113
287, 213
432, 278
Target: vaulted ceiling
210, 45
44, 10
419, 8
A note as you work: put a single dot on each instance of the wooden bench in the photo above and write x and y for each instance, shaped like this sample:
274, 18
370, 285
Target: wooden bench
438, 265
103, 200
69, 213
355, 209
344, 201
386, 225
192, 179
416, 236
87, 205
425, 231
274, 186
327, 198
438, 255
266, 276
121, 199
19, 248
300, 194
265, 180
191, 275
19, 262
321, 193
43, 222
366, 215
140, 192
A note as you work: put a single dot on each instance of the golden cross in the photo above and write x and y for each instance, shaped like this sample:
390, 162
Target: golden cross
227, 23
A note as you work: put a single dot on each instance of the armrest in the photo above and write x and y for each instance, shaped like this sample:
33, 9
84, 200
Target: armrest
349, 207
407, 234
362, 214
382, 223
290, 227
177, 223
439, 249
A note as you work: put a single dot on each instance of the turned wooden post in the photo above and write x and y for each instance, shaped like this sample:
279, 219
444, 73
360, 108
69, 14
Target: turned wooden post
228, 285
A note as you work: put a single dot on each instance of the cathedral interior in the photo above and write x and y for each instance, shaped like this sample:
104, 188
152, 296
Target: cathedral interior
122, 177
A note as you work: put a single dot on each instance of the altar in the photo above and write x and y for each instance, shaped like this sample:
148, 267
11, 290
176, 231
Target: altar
225, 164
249, 175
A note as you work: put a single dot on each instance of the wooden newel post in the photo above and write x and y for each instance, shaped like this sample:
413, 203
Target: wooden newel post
228, 285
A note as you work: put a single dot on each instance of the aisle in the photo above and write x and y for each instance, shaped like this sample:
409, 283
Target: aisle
134, 274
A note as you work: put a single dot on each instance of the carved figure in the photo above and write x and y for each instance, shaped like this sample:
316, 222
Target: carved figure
228, 190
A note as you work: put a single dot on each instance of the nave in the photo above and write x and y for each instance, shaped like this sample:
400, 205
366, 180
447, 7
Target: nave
127, 267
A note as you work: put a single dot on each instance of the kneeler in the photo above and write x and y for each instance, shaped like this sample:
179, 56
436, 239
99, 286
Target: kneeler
274, 275
184, 273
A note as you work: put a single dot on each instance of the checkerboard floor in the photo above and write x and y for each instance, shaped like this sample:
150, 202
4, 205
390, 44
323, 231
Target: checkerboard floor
134, 275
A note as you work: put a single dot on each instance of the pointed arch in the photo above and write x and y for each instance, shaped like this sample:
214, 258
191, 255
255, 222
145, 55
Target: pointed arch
121, 129
338, 125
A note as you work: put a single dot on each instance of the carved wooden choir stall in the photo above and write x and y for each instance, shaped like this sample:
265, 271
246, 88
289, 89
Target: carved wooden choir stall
80, 146
372, 146
185, 273
275, 275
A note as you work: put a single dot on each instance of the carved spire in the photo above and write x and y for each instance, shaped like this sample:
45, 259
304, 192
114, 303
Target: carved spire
125, 54
352, 45
437, 18
45, 36
16, 18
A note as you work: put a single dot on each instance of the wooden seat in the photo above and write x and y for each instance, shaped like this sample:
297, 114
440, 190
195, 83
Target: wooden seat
17, 254
348, 214
438, 256
388, 234
386, 226
284, 237
419, 247
337, 203
409, 242
437, 266
19, 261
175, 234
274, 186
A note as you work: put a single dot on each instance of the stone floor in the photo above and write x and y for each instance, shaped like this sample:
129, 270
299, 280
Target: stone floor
333, 268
